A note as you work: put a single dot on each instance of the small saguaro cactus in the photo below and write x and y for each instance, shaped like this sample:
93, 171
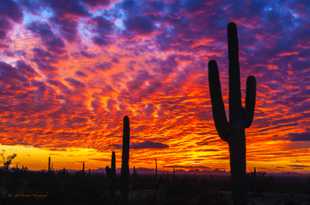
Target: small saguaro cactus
156, 169
134, 172
49, 164
240, 118
111, 174
125, 162
83, 167
113, 165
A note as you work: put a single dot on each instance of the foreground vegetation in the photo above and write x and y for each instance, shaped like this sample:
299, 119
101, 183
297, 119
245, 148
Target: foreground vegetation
61, 187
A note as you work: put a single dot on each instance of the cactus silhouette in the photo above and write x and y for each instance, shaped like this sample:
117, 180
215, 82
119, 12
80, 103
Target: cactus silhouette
240, 118
49, 166
83, 167
125, 161
156, 169
112, 176
134, 172
113, 164
111, 172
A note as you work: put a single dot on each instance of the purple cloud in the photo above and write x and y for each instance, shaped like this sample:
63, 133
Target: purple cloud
303, 136
9, 12
145, 145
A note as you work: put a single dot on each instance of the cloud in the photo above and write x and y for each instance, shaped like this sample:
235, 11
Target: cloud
9, 12
149, 145
303, 136
75, 83
145, 145
10, 75
25, 69
190, 167
299, 166
51, 41
98, 2
140, 24
102, 29
66, 7
64, 14
193, 4
44, 59
103, 66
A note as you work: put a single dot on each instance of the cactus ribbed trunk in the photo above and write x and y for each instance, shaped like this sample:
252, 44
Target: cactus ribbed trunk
237, 152
125, 162
240, 117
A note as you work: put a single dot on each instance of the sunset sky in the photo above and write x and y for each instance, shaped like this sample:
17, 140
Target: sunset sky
71, 69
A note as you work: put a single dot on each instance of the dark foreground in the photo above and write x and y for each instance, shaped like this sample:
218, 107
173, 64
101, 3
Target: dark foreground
24, 187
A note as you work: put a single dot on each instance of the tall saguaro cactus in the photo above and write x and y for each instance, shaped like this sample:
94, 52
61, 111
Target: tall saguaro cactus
240, 117
125, 161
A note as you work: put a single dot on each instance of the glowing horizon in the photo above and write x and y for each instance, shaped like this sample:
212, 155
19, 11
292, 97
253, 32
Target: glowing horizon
70, 70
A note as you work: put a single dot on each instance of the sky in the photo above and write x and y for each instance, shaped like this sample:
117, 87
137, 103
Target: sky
70, 70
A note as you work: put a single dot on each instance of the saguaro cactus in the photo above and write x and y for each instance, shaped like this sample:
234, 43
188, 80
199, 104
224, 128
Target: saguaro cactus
83, 167
240, 118
111, 174
49, 167
113, 165
134, 172
125, 161
155, 168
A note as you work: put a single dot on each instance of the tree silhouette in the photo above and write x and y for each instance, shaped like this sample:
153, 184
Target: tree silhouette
7, 160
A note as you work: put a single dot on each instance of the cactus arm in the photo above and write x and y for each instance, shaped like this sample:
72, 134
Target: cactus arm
235, 105
218, 109
250, 100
